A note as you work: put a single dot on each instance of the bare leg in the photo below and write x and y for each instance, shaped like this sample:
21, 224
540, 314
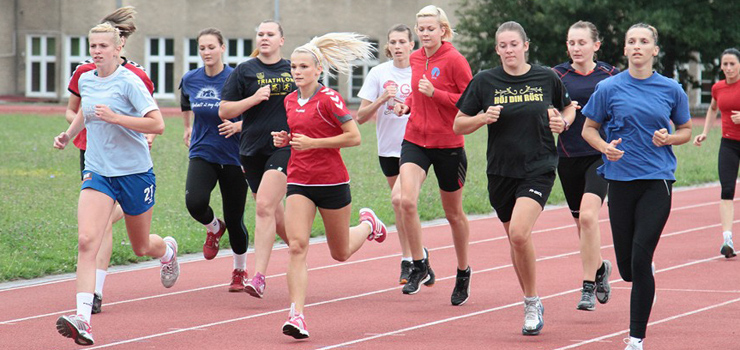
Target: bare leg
590, 236
268, 200
452, 204
525, 214
302, 212
412, 177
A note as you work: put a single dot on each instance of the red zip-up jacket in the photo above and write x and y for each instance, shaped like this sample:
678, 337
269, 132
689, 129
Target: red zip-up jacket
431, 119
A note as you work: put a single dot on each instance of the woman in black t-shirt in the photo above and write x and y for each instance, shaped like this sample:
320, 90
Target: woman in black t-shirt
513, 100
256, 90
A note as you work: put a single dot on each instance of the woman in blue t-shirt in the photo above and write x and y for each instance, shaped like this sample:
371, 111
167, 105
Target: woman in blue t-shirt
636, 109
117, 110
214, 155
584, 189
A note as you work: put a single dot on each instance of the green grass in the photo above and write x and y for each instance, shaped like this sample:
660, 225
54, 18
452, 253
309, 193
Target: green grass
39, 189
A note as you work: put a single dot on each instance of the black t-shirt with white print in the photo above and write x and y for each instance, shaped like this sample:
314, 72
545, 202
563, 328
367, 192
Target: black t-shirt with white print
520, 143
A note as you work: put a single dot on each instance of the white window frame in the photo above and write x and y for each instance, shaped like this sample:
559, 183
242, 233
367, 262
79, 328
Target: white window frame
240, 54
325, 80
161, 61
43, 60
69, 59
187, 58
366, 66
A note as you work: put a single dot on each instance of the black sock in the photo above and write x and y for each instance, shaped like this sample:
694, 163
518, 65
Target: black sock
463, 273
601, 270
590, 283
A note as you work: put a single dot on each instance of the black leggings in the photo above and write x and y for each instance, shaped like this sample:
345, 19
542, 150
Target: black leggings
729, 159
638, 211
202, 177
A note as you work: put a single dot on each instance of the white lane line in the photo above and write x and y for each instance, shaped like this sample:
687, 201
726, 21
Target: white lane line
481, 312
10, 286
667, 319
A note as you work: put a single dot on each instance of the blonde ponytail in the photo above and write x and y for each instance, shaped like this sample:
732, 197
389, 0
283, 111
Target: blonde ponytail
336, 51
123, 20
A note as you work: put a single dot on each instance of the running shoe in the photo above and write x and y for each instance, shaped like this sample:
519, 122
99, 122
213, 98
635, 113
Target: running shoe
588, 297
238, 280
97, 303
728, 249
461, 292
603, 289
210, 247
170, 270
533, 321
296, 325
256, 286
405, 271
432, 276
75, 327
379, 231
416, 278
633, 344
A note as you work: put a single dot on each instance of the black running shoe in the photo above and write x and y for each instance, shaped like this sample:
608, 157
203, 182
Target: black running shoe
588, 297
416, 278
432, 277
462, 287
405, 271
97, 303
603, 289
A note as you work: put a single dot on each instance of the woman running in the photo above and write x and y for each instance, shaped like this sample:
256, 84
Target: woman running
726, 99
320, 125
513, 101
214, 157
439, 75
584, 189
123, 19
256, 91
386, 84
117, 110
636, 109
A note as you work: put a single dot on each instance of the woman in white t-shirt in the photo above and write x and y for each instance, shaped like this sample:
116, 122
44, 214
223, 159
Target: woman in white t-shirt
386, 84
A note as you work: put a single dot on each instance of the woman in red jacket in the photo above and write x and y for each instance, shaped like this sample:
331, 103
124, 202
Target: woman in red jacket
439, 75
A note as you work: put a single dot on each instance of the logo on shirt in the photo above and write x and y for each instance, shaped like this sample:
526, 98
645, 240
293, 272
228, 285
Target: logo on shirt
208, 93
261, 75
334, 97
511, 95
286, 75
436, 72
279, 86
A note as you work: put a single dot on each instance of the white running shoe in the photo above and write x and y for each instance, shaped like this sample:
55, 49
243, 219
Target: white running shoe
633, 344
533, 321
170, 270
728, 249
77, 328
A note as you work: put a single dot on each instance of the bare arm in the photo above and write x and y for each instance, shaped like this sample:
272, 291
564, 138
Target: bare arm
349, 137
232, 109
368, 109
590, 133
151, 123
73, 105
466, 124
708, 121
187, 117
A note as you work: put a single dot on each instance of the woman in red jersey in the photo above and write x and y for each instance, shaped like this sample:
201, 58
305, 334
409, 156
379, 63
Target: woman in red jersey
439, 75
320, 125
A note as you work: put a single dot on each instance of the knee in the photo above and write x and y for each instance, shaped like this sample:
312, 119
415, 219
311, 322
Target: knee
85, 242
141, 249
340, 256
195, 205
297, 247
408, 206
519, 238
264, 208
589, 221
397, 203
456, 217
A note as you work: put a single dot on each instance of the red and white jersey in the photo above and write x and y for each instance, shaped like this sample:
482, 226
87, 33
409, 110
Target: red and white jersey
81, 140
320, 117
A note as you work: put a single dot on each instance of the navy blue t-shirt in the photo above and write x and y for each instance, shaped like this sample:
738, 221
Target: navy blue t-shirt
202, 94
580, 87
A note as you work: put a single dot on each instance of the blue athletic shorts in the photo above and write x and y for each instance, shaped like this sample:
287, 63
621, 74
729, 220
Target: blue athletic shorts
135, 193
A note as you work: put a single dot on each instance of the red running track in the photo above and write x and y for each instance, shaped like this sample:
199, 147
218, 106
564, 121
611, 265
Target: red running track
359, 305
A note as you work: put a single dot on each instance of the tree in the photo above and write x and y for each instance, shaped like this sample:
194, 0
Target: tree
685, 27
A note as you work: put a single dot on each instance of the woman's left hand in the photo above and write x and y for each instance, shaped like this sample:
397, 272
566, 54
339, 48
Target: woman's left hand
660, 137
106, 114
300, 142
425, 86
735, 117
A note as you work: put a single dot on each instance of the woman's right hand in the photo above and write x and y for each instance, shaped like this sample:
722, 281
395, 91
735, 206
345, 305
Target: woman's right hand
61, 140
186, 135
400, 109
699, 139
262, 94
280, 138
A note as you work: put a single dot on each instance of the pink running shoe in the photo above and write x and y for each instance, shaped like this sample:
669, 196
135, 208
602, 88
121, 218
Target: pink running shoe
296, 325
170, 271
210, 247
238, 280
256, 286
75, 327
379, 230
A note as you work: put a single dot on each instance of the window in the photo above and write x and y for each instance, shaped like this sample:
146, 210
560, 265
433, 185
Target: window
330, 82
41, 69
160, 57
359, 72
75, 52
237, 51
192, 56
707, 80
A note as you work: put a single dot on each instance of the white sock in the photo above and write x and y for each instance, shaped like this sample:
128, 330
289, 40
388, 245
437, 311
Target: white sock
213, 226
369, 224
84, 305
240, 261
100, 281
407, 258
727, 235
635, 340
168, 254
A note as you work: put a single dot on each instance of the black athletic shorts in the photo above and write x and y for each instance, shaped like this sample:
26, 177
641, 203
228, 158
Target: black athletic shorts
578, 176
82, 163
326, 197
450, 164
390, 165
256, 166
504, 191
